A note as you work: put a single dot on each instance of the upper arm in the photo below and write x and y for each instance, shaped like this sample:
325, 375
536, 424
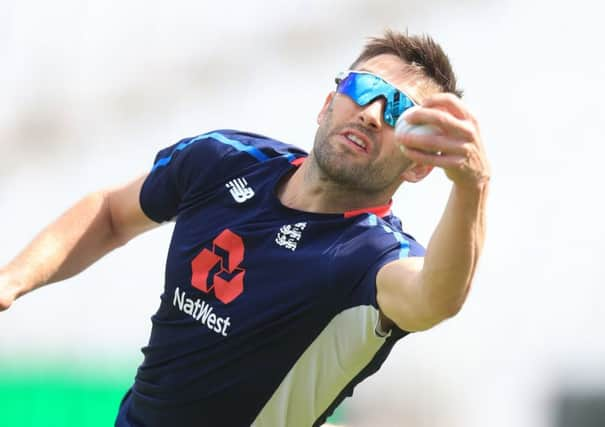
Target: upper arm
126, 215
400, 296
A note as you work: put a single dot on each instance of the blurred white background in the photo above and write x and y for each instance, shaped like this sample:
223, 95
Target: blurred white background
90, 90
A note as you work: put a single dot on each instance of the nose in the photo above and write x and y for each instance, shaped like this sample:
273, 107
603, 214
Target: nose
371, 114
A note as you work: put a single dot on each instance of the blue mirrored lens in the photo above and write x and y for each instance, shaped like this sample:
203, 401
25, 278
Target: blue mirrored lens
364, 88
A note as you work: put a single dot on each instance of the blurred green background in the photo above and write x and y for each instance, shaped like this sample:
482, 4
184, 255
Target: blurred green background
61, 393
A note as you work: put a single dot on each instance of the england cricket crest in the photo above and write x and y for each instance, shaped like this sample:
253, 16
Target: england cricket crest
288, 236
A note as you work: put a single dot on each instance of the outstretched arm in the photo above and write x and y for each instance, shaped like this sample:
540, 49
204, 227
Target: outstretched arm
93, 227
417, 293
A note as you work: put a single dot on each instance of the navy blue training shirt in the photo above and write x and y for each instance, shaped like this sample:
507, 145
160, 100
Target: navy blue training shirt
269, 314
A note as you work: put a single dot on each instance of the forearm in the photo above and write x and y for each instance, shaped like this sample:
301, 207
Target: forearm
454, 249
74, 241
418, 293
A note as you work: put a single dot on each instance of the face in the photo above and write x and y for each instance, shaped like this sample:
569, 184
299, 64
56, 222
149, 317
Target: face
354, 147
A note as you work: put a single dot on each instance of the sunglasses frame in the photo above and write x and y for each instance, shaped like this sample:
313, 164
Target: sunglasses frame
394, 98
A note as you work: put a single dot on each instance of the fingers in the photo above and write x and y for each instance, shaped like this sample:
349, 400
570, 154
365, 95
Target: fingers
441, 160
456, 148
438, 150
448, 102
448, 123
433, 144
447, 111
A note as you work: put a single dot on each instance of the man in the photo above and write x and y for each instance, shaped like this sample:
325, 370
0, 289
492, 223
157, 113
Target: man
288, 280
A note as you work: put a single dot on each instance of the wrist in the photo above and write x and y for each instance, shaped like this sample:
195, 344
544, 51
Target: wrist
477, 185
8, 291
11, 284
469, 198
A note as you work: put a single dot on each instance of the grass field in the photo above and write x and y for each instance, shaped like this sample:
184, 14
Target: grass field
62, 394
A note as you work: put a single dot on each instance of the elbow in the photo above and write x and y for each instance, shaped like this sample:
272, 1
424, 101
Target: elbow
442, 305
437, 313
447, 310
119, 240
451, 310
116, 236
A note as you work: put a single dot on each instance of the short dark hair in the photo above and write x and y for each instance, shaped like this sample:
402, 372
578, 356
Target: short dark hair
421, 52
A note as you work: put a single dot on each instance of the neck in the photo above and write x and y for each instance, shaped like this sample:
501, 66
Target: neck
309, 189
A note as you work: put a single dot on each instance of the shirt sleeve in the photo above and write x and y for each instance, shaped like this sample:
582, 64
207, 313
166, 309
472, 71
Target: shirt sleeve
179, 170
407, 248
403, 246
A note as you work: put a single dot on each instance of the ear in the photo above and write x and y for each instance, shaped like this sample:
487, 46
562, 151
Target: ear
325, 107
416, 172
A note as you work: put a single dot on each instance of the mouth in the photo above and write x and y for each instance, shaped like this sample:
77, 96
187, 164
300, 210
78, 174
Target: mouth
360, 141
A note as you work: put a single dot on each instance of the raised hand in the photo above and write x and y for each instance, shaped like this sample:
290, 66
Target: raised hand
456, 148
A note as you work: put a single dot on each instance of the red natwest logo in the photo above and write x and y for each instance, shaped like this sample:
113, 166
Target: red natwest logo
219, 269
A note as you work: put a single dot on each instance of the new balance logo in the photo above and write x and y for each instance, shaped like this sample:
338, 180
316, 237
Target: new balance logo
239, 190
289, 235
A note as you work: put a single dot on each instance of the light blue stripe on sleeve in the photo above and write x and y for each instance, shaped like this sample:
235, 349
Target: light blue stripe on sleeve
289, 156
165, 160
371, 220
404, 245
238, 145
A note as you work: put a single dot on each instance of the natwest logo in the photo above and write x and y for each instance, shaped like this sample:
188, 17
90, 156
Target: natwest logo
219, 269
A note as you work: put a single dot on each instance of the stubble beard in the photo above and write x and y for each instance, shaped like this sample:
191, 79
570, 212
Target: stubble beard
374, 177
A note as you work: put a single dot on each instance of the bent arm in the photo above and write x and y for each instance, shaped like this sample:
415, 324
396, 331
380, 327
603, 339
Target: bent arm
417, 293
93, 227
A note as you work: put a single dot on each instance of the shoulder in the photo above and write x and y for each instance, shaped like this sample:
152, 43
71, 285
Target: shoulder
368, 244
268, 147
392, 224
229, 143
380, 236
197, 164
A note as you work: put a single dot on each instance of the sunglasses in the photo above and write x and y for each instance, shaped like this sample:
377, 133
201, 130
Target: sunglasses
363, 88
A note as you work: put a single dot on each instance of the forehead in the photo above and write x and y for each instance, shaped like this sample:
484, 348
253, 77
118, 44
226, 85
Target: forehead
394, 70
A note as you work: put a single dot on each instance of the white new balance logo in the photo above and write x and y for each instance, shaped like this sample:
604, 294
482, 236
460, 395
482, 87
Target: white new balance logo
239, 189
